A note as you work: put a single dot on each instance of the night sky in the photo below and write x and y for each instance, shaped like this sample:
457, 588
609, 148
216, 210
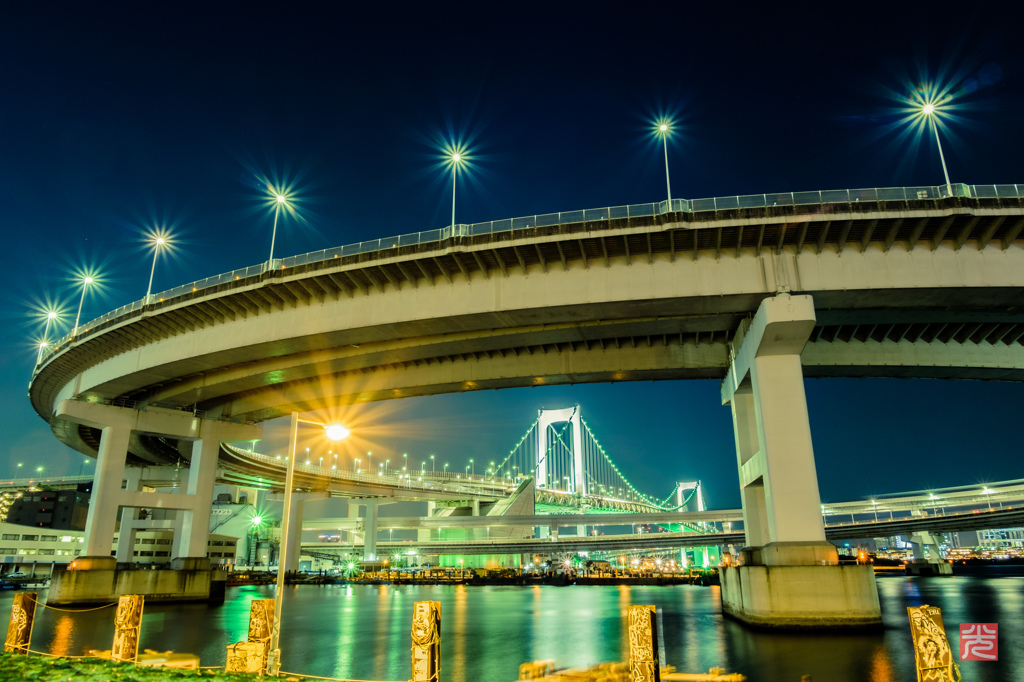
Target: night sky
117, 118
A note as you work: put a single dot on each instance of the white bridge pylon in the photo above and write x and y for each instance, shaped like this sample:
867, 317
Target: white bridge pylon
545, 419
682, 494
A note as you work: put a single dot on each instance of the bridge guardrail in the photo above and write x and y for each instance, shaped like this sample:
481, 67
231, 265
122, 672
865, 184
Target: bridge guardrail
404, 481
841, 196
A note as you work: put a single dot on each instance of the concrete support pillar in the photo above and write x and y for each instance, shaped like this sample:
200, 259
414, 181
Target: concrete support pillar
353, 513
789, 575
581, 531
927, 558
127, 531
370, 541
772, 430
106, 490
476, 507
191, 541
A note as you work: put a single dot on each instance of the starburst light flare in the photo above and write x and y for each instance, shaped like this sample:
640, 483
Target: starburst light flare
456, 157
663, 128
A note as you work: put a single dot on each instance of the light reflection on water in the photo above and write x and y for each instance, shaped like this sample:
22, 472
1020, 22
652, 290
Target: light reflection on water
363, 631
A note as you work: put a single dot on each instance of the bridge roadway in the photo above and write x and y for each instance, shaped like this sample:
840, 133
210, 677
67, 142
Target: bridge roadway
905, 282
977, 520
244, 467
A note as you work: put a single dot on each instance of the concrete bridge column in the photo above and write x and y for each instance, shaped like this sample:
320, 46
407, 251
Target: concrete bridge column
370, 541
789, 575
106, 489
191, 541
353, 513
127, 531
928, 563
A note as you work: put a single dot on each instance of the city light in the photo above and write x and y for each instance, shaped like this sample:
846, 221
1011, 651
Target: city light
663, 128
336, 432
159, 239
278, 198
456, 157
87, 279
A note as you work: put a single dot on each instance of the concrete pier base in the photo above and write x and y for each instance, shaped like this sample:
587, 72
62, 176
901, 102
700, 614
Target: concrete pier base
927, 569
801, 596
103, 585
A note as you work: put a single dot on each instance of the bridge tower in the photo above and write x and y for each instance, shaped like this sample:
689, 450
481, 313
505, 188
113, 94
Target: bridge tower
789, 574
546, 419
682, 492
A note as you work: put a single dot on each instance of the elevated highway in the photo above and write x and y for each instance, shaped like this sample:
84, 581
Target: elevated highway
978, 520
906, 282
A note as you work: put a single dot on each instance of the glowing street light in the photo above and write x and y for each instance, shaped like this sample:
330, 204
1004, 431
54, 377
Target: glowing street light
86, 281
334, 432
159, 240
663, 128
279, 201
930, 110
456, 157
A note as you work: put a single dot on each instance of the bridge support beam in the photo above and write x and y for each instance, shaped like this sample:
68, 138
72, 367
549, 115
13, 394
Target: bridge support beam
927, 563
116, 425
370, 540
789, 575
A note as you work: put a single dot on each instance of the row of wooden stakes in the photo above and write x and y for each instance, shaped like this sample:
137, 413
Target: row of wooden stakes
254, 655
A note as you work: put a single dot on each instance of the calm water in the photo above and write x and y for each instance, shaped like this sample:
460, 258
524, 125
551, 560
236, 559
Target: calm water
363, 631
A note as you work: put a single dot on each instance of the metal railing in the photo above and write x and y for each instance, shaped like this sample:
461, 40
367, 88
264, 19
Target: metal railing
590, 215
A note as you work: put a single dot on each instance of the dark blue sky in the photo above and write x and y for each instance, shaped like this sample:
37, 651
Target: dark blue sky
116, 117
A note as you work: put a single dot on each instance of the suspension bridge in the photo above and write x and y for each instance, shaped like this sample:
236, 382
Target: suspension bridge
571, 472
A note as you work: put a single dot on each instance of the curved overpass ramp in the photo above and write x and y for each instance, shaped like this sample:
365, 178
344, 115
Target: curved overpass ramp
906, 282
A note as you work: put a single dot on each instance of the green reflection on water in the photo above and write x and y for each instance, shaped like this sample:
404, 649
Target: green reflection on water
363, 631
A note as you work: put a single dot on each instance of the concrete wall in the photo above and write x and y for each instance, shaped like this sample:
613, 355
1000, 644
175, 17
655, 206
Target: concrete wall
102, 586
801, 596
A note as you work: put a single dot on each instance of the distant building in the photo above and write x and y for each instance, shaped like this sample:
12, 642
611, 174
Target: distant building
57, 509
26, 545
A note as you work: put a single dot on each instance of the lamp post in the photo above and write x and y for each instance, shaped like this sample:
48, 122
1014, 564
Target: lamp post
472, 468
433, 469
279, 200
664, 128
86, 281
456, 157
159, 241
929, 110
51, 315
334, 432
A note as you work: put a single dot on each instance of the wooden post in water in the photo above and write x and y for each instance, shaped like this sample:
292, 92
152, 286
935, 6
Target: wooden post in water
19, 629
931, 649
426, 641
251, 656
643, 644
127, 622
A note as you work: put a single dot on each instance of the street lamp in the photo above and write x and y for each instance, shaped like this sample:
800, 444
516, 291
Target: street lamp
472, 467
334, 432
51, 315
159, 240
929, 110
456, 155
279, 201
86, 281
663, 127
433, 469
